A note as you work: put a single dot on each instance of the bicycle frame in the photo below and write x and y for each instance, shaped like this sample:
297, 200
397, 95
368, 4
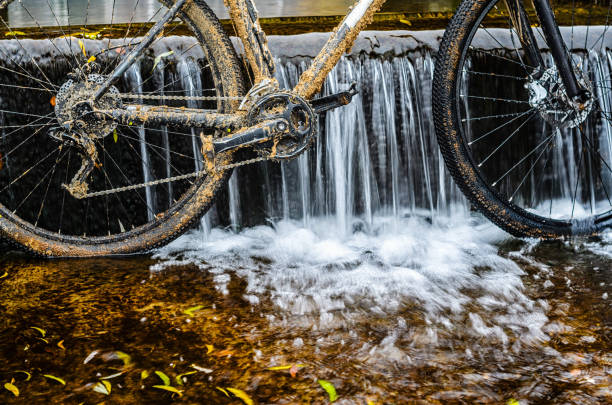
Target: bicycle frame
246, 20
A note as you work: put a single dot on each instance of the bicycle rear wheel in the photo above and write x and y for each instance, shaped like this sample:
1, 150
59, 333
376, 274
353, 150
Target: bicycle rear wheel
523, 158
39, 49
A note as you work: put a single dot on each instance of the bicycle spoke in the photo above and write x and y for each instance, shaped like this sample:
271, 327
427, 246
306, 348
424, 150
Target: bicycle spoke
507, 139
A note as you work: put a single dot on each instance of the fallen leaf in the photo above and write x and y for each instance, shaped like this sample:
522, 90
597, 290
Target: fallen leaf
91, 35
190, 311
159, 58
179, 378
6, 272
209, 348
14, 33
103, 387
52, 377
90, 356
223, 391
407, 22
60, 344
43, 339
82, 46
41, 331
125, 358
330, 389
26, 373
276, 368
144, 374
242, 395
91, 59
115, 135
109, 377
12, 388
169, 388
165, 379
294, 370
202, 369
513, 401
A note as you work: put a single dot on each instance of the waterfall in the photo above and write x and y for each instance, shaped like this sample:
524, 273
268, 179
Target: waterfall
133, 79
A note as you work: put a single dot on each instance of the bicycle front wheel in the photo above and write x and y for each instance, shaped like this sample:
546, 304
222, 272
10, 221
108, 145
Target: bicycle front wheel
521, 154
47, 53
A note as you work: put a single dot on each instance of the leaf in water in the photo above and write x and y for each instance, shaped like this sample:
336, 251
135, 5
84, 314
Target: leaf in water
14, 33
28, 375
60, 344
242, 395
6, 272
165, 379
513, 401
407, 22
223, 391
179, 378
209, 348
90, 356
159, 58
169, 389
54, 378
144, 374
202, 369
43, 339
276, 368
109, 377
41, 331
103, 387
190, 311
12, 388
82, 46
125, 358
91, 59
330, 389
91, 35
115, 135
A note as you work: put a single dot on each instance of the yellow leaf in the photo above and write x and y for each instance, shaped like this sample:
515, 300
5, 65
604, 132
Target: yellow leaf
276, 368
12, 388
169, 388
52, 377
60, 344
91, 35
190, 311
82, 46
209, 348
179, 378
242, 395
43, 339
223, 391
330, 389
42, 331
115, 135
513, 401
144, 374
165, 379
14, 33
26, 373
103, 387
4, 275
125, 358
405, 21
91, 59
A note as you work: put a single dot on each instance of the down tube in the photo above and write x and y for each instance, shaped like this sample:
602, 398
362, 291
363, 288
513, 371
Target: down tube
341, 39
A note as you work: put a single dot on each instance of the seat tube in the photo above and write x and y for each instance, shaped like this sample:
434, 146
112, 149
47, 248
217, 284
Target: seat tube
557, 48
246, 21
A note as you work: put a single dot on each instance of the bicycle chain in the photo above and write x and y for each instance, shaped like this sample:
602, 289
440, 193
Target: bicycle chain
178, 98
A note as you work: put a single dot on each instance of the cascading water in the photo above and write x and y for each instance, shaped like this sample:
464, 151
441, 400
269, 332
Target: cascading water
133, 80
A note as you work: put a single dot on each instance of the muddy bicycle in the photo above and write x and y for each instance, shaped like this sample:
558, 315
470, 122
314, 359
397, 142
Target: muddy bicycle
519, 90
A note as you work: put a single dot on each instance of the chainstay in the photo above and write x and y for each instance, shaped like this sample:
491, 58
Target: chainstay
175, 178
177, 98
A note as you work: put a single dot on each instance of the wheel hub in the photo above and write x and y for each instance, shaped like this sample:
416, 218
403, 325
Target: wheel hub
71, 114
547, 94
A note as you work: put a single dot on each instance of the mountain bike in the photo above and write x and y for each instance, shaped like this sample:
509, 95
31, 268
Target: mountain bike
149, 164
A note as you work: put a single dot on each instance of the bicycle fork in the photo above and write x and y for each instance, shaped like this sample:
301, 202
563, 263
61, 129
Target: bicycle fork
554, 40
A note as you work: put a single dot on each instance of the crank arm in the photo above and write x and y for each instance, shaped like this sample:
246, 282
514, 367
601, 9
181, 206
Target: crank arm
332, 101
134, 114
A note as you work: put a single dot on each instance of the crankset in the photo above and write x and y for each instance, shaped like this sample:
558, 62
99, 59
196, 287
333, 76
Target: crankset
280, 126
